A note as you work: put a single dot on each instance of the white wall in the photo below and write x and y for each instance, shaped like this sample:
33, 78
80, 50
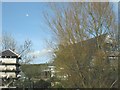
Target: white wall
10, 74
8, 67
8, 60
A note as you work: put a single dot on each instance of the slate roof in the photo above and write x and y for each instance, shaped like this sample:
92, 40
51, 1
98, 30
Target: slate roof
9, 53
114, 54
92, 43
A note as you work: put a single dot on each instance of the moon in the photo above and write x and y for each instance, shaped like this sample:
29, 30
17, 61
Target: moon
27, 15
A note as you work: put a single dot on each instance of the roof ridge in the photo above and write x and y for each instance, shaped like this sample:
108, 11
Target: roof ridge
14, 52
10, 52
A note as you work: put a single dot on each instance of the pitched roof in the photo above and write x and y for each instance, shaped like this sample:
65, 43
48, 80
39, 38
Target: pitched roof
9, 53
114, 54
93, 40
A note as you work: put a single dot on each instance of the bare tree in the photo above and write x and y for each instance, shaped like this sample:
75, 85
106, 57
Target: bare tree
8, 42
84, 60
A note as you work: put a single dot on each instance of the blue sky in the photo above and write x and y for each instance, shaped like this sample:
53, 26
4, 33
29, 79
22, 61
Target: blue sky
26, 21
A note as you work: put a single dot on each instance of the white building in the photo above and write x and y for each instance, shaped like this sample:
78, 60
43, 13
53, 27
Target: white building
9, 65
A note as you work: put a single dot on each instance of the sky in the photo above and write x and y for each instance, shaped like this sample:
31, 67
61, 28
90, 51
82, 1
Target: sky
59, 0
25, 20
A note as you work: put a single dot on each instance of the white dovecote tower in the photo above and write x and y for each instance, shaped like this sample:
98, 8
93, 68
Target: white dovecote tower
9, 67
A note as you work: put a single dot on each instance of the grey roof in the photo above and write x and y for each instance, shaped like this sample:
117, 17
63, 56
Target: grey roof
9, 53
100, 38
114, 54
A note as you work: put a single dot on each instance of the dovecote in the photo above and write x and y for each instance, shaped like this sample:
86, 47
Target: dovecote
9, 64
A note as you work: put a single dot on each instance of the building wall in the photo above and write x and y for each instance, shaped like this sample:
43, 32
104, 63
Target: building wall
8, 60
8, 67
7, 74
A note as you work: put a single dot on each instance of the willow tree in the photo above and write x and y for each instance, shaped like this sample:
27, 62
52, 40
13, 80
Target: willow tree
83, 60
